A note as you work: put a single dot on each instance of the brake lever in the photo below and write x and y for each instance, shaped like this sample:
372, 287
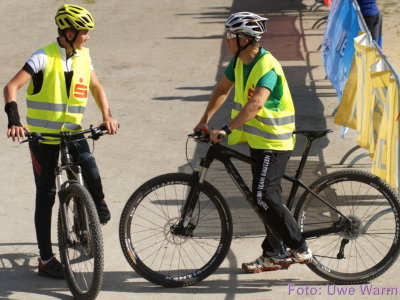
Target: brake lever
97, 132
33, 137
34, 142
24, 141
200, 135
197, 133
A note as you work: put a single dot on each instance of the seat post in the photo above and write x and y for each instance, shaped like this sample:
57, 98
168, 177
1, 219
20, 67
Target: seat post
304, 157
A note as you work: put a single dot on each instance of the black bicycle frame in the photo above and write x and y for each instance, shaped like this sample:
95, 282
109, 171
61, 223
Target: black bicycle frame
224, 155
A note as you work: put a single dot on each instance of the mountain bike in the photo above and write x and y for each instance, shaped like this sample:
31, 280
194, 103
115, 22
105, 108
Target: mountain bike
176, 229
80, 239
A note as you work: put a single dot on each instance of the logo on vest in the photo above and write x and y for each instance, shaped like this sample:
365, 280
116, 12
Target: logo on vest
80, 90
250, 92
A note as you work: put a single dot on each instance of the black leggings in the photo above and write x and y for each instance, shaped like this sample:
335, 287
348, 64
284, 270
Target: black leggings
44, 160
282, 230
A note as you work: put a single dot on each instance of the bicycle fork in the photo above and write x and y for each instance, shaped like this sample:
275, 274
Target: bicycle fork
63, 202
74, 175
185, 227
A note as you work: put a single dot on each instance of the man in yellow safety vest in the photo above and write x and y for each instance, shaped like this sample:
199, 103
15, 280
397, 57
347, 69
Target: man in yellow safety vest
60, 75
262, 116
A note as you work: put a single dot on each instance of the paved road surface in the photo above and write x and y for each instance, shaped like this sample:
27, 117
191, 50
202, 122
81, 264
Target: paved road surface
159, 61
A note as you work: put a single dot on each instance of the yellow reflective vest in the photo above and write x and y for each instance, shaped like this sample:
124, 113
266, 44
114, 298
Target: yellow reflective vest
270, 128
51, 110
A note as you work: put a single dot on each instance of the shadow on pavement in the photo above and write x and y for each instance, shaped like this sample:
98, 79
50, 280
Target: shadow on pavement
18, 273
229, 287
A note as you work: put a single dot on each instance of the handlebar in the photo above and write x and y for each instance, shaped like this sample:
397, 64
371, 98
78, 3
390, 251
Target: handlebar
200, 136
96, 133
203, 136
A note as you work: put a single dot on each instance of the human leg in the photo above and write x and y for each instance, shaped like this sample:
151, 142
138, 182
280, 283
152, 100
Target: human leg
271, 244
267, 187
268, 170
44, 160
374, 24
91, 176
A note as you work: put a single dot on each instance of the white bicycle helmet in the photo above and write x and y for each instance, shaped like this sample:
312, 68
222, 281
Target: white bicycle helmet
246, 23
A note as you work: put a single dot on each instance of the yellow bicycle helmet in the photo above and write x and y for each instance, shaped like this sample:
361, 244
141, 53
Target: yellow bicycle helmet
69, 16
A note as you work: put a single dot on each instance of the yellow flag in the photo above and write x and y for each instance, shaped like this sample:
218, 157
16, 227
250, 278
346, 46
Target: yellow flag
365, 57
370, 105
380, 89
385, 163
346, 113
357, 96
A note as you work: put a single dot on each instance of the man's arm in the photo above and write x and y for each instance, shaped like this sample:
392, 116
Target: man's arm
218, 97
100, 97
15, 131
248, 112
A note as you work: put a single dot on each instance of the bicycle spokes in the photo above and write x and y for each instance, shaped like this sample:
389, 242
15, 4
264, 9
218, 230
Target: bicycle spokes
79, 247
367, 240
174, 242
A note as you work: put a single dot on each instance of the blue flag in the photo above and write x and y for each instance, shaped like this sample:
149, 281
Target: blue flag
338, 45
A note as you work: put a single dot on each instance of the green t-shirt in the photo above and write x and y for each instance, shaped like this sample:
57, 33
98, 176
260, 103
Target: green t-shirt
269, 80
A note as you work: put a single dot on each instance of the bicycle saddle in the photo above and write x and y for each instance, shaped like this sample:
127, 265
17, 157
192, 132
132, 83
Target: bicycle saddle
313, 134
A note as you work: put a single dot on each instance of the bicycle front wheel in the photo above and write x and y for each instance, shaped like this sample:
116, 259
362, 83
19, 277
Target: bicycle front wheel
81, 243
368, 246
155, 250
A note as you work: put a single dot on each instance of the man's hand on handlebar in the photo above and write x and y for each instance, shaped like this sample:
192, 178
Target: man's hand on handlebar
17, 133
216, 135
111, 125
201, 126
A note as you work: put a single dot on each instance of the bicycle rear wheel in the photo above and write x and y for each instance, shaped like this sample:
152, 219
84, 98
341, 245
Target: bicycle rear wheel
81, 243
368, 247
159, 254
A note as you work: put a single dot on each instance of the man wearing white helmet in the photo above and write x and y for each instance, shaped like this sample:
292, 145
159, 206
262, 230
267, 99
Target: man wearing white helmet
263, 117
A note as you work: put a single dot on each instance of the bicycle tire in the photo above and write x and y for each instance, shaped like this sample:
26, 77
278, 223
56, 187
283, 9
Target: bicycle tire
161, 256
82, 255
371, 246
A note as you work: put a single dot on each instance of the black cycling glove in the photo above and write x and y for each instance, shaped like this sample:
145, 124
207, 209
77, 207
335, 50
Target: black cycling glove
11, 109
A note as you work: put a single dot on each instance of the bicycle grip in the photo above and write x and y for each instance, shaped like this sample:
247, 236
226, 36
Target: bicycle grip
103, 127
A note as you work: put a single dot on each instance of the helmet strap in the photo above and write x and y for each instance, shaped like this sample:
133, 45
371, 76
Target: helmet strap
71, 43
239, 49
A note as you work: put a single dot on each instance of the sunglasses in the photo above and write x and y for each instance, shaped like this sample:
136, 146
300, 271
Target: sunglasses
230, 35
